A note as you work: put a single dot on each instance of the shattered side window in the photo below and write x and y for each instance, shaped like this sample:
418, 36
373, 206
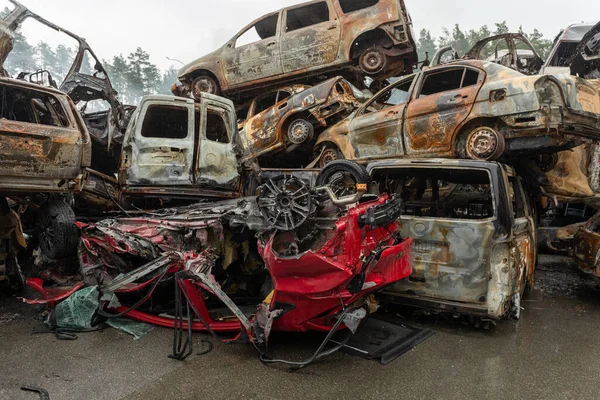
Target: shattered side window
440, 193
444, 81
264, 29
264, 103
32, 107
168, 122
393, 96
349, 6
306, 16
216, 126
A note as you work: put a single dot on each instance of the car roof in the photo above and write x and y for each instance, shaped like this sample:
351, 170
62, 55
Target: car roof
576, 32
31, 86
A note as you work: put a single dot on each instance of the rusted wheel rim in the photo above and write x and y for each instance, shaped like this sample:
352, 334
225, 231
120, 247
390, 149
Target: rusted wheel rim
372, 61
328, 156
299, 131
203, 84
484, 144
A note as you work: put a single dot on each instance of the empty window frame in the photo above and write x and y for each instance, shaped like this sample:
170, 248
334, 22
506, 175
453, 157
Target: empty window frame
168, 122
306, 16
349, 6
264, 29
23, 105
216, 126
440, 193
448, 80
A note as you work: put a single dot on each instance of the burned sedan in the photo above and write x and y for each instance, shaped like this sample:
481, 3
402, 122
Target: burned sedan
474, 235
369, 37
468, 109
288, 119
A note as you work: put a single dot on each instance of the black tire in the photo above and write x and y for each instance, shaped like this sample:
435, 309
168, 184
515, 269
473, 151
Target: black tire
343, 176
56, 229
204, 84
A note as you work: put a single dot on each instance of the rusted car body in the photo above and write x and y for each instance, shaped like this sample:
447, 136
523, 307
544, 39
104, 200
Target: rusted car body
372, 37
512, 50
474, 232
86, 83
474, 109
44, 145
575, 52
287, 119
586, 245
176, 148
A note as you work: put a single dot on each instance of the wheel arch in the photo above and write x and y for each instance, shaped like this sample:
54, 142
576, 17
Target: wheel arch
203, 71
368, 39
463, 130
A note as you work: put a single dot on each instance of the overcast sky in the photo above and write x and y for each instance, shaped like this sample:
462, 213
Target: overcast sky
188, 29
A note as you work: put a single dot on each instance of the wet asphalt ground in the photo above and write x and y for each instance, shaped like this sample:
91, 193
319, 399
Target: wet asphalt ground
551, 353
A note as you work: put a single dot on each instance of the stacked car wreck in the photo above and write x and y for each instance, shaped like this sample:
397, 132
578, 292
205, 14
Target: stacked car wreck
317, 189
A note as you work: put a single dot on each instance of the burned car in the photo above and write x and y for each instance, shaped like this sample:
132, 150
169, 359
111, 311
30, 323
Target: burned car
575, 51
177, 148
369, 37
44, 151
512, 50
468, 109
86, 82
288, 120
474, 235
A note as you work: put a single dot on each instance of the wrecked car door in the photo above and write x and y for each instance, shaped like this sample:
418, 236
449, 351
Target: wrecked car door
218, 147
255, 53
159, 145
311, 37
376, 130
444, 99
524, 240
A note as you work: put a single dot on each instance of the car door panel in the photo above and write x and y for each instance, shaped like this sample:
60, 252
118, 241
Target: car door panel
159, 161
252, 62
310, 47
378, 134
217, 161
431, 121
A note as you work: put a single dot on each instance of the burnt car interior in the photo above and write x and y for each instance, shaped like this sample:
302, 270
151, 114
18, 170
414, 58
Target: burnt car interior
349, 6
32, 107
433, 193
306, 16
164, 121
448, 80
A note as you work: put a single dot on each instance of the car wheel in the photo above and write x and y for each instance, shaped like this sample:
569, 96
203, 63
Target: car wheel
485, 143
57, 232
204, 84
330, 154
342, 177
373, 61
300, 131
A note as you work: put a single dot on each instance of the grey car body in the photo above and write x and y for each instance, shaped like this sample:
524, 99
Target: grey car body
474, 232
